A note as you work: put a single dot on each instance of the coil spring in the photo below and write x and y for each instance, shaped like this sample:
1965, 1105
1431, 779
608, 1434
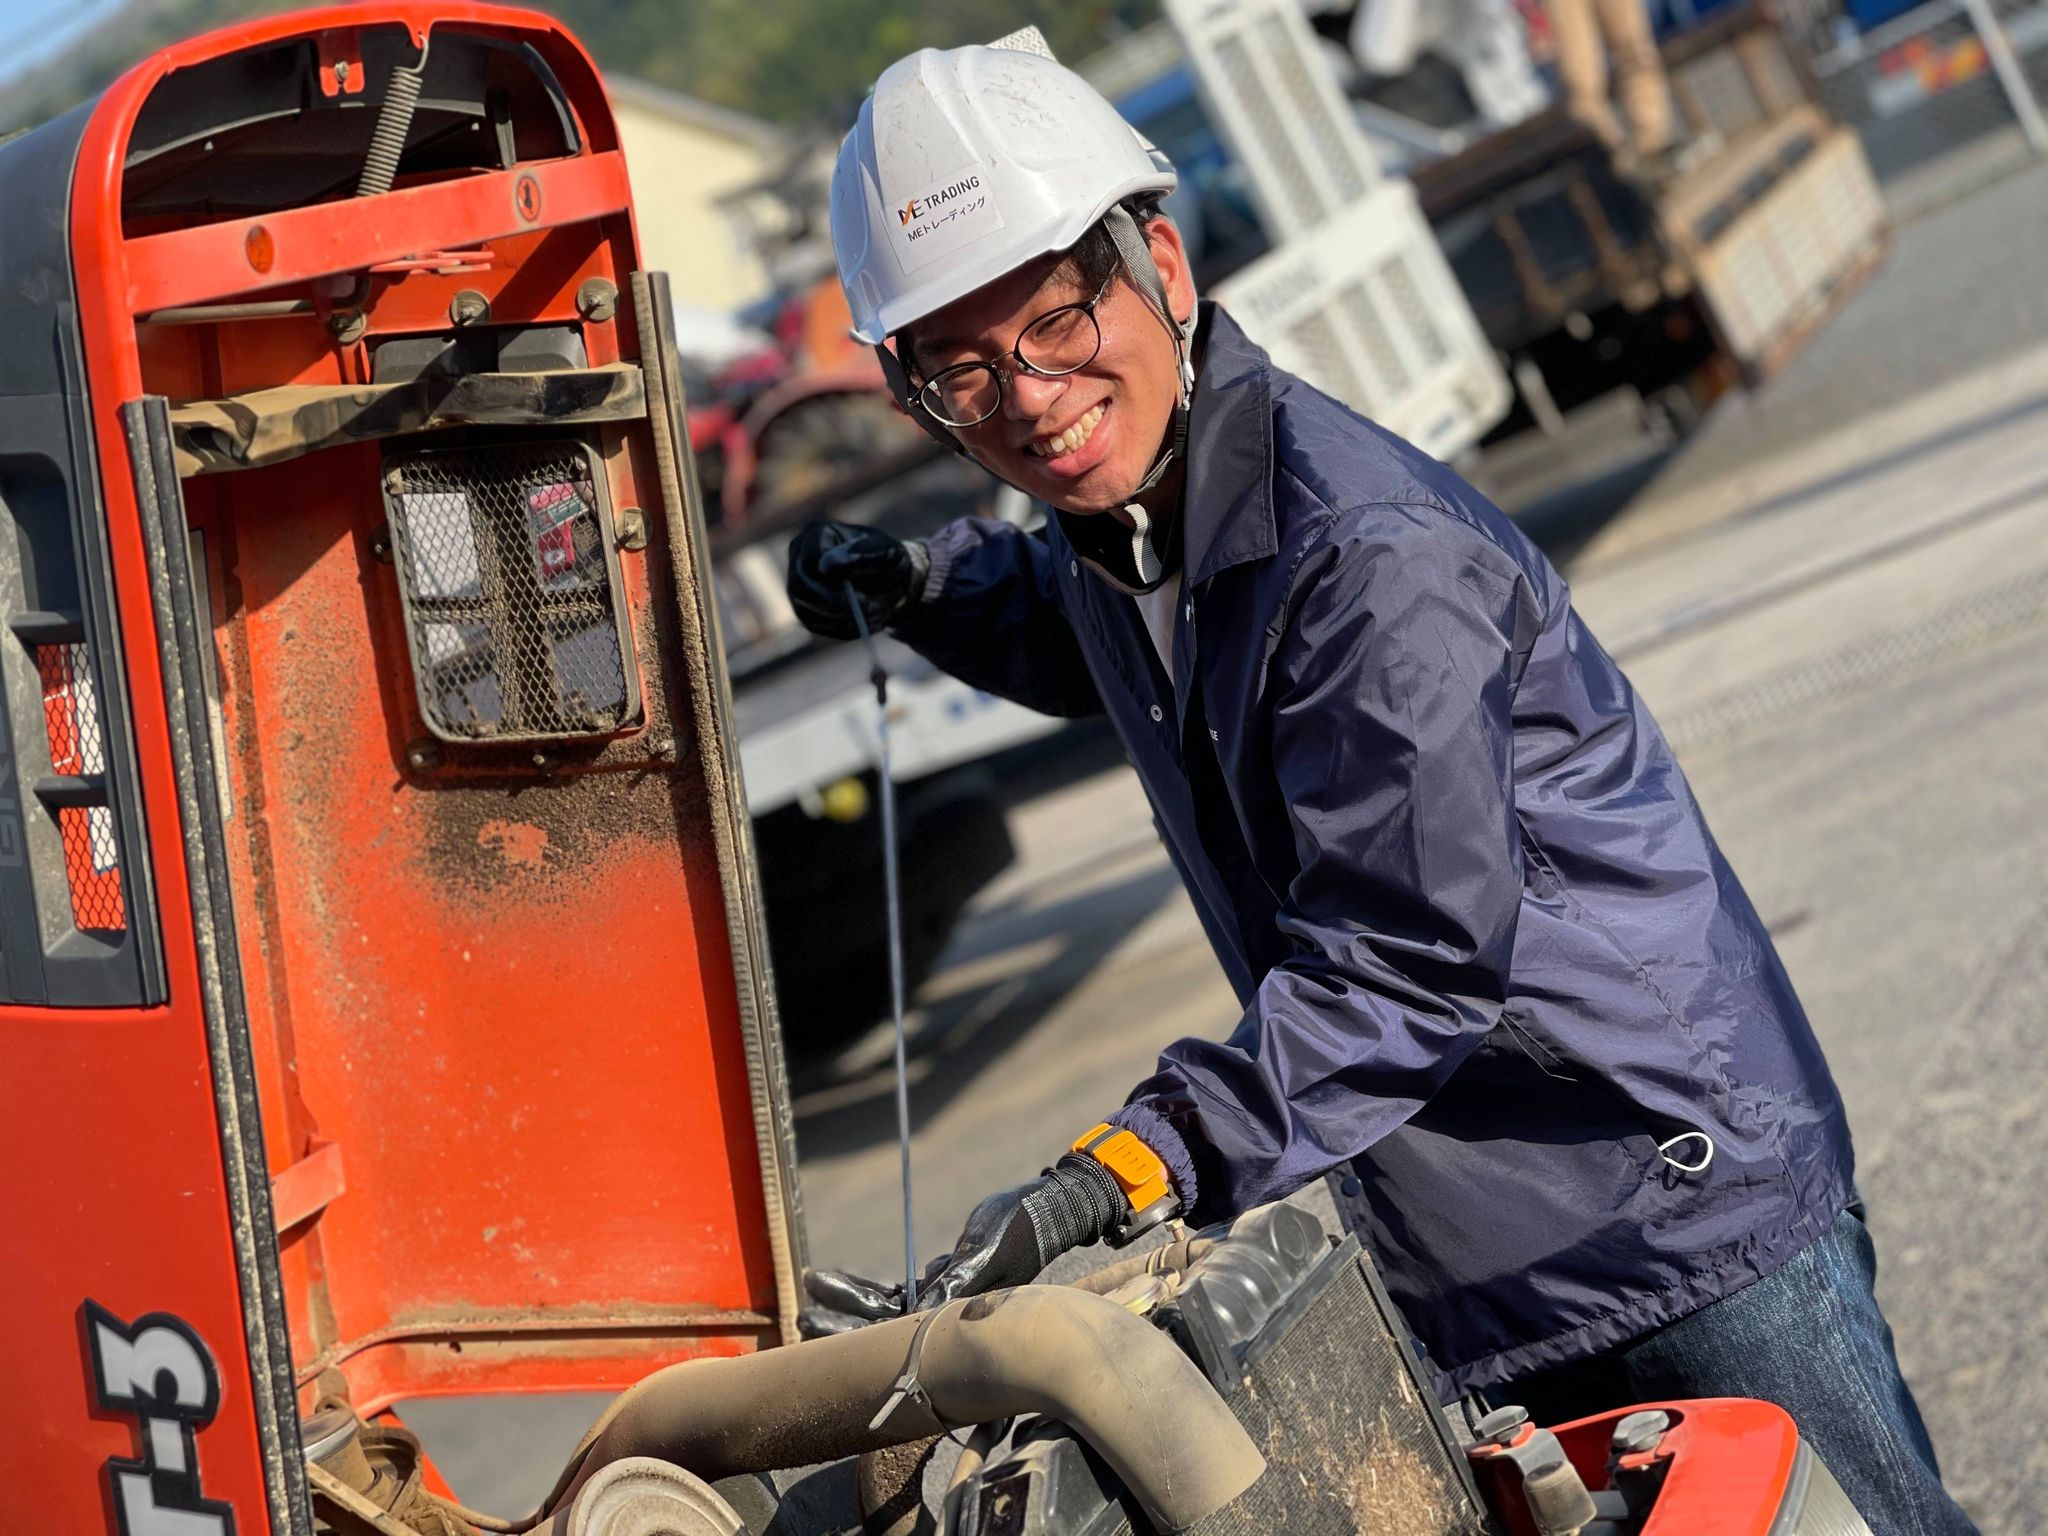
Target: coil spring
387, 140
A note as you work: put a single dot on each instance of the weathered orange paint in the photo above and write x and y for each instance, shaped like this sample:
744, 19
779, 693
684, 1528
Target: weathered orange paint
501, 999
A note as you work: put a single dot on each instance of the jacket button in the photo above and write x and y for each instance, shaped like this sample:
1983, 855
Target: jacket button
1158, 713
1191, 608
1073, 567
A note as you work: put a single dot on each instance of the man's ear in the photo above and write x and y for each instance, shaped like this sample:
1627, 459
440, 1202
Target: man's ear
1176, 271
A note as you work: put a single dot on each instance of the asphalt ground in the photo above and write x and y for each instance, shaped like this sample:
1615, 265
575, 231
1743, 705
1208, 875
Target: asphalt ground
1961, 292
1843, 626
1853, 672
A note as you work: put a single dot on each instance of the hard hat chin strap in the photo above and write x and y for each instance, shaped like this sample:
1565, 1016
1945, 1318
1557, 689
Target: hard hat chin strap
1144, 272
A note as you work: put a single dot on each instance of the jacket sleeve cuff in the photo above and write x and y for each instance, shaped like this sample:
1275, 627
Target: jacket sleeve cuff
1157, 1132
941, 550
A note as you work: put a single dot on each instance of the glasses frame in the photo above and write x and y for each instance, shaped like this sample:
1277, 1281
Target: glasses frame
925, 396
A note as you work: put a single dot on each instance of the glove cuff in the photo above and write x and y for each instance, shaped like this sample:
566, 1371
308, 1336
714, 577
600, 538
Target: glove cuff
884, 611
920, 570
1077, 1203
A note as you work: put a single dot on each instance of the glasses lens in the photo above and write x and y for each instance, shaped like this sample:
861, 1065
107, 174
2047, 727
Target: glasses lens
960, 397
1062, 341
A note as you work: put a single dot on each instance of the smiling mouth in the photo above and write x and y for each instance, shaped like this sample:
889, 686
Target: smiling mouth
1069, 440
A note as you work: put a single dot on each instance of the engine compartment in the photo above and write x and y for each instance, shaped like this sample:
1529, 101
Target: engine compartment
1298, 1337
1249, 1377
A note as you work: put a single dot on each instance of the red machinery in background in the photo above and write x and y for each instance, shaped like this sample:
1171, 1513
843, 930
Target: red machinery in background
788, 423
382, 981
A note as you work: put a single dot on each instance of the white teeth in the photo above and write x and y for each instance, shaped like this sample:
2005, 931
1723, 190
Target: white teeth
1072, 438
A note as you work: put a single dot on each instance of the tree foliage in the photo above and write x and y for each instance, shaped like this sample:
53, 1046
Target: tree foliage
803, 63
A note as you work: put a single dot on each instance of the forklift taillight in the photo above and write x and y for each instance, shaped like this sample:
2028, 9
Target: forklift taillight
71, 716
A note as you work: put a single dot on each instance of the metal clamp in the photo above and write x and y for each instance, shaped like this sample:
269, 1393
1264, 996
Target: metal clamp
907, 1392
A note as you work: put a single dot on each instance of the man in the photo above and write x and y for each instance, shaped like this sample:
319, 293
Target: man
1591, 36
1487, 951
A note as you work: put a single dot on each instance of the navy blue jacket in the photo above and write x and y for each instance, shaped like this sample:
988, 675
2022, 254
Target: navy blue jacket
1486, 948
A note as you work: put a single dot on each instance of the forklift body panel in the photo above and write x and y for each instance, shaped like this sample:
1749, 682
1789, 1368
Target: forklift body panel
384, 985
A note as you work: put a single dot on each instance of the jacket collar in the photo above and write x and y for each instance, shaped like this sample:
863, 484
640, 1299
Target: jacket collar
1226, 512
1227, 506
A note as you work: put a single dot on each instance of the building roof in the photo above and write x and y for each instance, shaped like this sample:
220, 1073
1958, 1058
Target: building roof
627, 91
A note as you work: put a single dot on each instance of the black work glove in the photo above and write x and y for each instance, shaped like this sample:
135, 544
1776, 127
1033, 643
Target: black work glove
827, 558
1009, 1238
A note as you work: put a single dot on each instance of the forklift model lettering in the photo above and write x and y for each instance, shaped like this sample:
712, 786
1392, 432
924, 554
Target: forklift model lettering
160, 1371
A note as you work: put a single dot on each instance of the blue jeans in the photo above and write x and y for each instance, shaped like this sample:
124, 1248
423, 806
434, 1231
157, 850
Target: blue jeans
1808, 1337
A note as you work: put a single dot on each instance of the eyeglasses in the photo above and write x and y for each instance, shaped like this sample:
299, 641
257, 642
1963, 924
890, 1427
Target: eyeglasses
1060, 341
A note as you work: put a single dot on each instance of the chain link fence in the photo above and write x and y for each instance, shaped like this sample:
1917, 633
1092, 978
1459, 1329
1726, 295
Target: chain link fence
1946, 95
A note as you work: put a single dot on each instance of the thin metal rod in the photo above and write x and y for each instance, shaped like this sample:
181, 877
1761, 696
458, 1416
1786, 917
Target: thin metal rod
208, 314
891, 877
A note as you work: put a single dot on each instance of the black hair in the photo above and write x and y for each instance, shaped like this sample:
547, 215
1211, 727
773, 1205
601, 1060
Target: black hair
1091, 261
1094, 259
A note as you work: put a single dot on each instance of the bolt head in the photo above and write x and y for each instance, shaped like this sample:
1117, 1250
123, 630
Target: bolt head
631, 525
1502, 1425
423, 755
1640, 1431
597, 299
469, 308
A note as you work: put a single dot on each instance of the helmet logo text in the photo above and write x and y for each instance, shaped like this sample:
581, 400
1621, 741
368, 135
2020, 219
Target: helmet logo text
939, 219
925, 203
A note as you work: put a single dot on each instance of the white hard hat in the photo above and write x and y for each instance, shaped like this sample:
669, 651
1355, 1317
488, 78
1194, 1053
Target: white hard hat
965, 165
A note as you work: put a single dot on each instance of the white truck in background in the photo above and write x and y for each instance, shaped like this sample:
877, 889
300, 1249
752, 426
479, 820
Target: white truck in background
1353, 292
1620, 292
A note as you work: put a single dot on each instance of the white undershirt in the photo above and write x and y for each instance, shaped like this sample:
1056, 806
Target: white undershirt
1157, 608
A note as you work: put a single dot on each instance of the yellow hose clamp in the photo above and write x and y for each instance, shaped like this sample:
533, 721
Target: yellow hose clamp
1138, 1172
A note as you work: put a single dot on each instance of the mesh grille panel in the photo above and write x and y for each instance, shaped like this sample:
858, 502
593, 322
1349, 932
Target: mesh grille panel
512, 598
1274, 140
71, 715
1299, 88
1379, 346
1323, 363
1716, 87
1408, 299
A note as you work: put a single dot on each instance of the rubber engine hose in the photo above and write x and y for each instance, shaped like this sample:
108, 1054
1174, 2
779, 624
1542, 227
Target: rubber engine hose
1121, 1384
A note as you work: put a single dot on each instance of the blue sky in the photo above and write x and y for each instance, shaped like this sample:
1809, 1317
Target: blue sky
32, 30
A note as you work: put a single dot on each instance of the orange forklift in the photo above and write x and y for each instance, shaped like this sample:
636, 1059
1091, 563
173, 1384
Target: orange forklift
385, 1005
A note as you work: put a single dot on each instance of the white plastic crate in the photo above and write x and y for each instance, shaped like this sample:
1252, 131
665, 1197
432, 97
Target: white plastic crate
1266, 87
1366, 309
1783, 264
